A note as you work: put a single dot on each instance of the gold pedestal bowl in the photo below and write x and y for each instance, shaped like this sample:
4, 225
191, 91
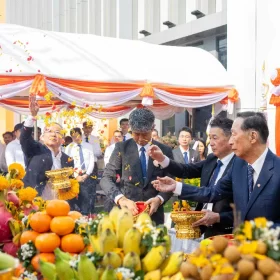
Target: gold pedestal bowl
183, 223
60, 178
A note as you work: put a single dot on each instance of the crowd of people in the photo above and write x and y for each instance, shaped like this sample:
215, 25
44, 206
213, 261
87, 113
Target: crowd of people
142, 166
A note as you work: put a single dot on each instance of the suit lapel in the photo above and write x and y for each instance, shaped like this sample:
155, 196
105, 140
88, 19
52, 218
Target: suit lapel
264, 177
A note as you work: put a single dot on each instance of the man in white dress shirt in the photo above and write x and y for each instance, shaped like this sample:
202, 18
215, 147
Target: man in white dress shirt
118, 137
124, 127
14, 151
82, 154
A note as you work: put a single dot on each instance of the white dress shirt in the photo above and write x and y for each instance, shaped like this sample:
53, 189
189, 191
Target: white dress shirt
94, 141
109, 150
14, 153
73, 151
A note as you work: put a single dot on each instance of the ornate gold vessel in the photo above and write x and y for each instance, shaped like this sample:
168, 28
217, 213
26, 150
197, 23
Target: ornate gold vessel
183, 223
60, 178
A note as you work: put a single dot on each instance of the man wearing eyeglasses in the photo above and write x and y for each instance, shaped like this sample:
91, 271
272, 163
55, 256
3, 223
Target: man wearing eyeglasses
42, 157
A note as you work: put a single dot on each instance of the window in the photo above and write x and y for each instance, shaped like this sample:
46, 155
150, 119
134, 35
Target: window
222, 50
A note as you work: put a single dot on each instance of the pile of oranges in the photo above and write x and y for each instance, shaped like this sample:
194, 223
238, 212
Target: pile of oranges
51, 229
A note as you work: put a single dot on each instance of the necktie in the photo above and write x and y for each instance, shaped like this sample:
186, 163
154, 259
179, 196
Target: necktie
124, 138
143, 162
82, 160
250, 179
186, 157
87, 139
215, 174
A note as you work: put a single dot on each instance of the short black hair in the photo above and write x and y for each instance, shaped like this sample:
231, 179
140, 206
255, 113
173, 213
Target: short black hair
255, 121
223, 123
123, 120
119, 131
76, 130
186, 129
8, 133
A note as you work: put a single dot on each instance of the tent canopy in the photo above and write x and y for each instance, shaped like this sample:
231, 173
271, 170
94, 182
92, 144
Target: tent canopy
114, 74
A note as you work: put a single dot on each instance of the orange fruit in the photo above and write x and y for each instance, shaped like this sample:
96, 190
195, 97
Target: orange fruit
57, 207
62, 225
72, 243
47, 257
28, 235
40, 222
47, 242
75, 215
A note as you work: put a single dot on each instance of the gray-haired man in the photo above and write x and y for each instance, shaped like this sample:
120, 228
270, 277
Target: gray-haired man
131, 162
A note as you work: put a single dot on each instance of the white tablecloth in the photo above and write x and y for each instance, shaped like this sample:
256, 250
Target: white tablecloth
185, 245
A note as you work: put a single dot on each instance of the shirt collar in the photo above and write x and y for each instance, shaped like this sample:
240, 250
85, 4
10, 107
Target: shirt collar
146, 147
225, 160
258, 164
182, 150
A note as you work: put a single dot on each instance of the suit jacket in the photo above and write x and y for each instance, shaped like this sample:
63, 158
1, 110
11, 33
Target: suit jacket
178, 156
264, 201
39, 159
125, 161
204, 169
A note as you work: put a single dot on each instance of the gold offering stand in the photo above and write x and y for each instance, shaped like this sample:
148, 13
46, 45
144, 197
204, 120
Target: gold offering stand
59, 178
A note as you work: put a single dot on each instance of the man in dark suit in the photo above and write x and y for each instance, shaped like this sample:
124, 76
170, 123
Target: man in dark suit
184, 153
136, 169
254, 178
219, 216
41, 158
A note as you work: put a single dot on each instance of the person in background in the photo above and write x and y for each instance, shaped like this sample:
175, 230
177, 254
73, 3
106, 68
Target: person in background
155, 135
184, 154
201, 148
7, 137
14, 151
124, 128
82, 154
118, 137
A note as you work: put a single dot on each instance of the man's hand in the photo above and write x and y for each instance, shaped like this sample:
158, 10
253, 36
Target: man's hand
209, 219
130, 204
156, 153
154, 203
165, 184
33, 105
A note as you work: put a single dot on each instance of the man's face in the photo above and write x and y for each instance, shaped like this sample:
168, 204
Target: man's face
77, 138
184, 138
219, 142
142, 138
17, 133
124, 127
7, 138
88, 130
240, 140
118, 137
52, 136
155, 135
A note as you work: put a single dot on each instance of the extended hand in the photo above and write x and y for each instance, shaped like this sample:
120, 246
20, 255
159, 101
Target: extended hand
165, 184
154, 203
209, 219
156, 153
33, 105
130, 204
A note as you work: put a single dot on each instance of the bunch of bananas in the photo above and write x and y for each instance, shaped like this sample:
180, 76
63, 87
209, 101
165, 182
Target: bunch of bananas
128, 251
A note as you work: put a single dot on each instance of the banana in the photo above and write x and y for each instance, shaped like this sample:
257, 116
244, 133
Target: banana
113, 215
125, 222
132, 240
107, 241
94, 242
154, 258
144, 218
86, 269
113, 259
109, 274
178, 276
63, 269
153, 275
132, 260
62, 255
48, 270
172, 264
6, 261
104, 224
